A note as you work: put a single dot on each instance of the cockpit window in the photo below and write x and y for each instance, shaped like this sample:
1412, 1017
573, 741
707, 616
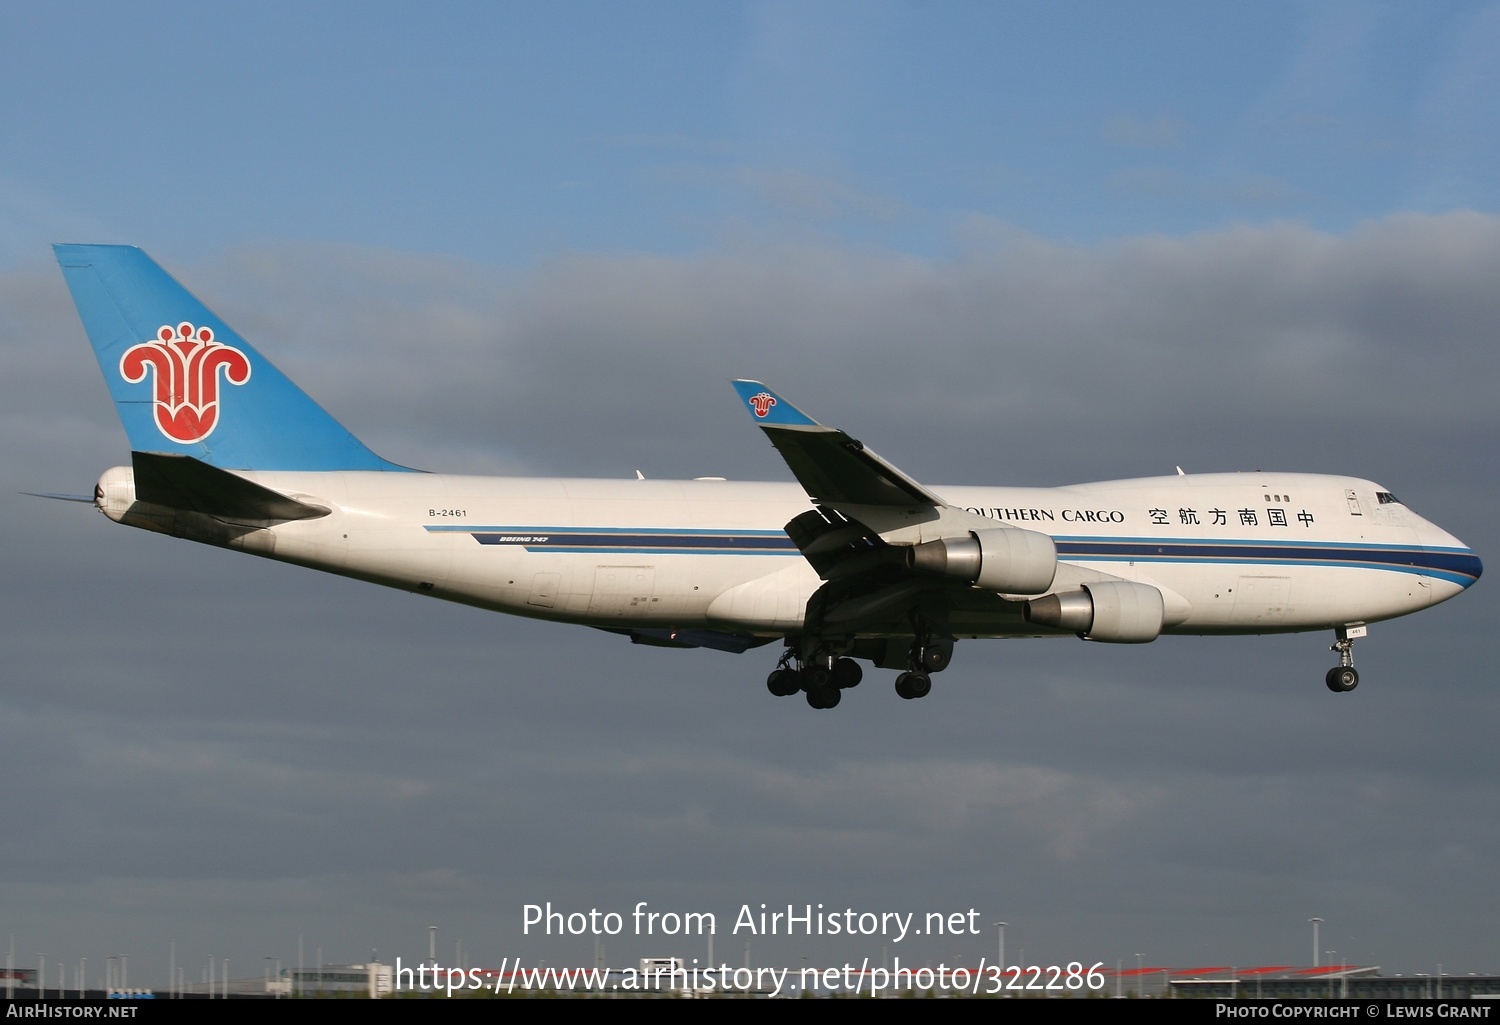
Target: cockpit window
1386, 498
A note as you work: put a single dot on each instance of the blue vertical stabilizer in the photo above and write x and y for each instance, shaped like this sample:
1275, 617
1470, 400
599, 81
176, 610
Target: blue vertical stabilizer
185, 383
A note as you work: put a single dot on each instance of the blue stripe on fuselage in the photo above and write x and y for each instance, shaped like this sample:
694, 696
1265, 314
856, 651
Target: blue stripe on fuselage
1456, 565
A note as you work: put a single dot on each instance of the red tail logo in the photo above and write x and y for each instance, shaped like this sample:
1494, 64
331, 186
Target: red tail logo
762, 403
187, 361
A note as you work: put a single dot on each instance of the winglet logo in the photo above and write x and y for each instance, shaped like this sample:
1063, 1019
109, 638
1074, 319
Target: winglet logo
187, 361
762, 403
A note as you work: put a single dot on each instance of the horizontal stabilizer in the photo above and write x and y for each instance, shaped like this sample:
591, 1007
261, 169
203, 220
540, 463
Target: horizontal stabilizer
182, 482
86, 499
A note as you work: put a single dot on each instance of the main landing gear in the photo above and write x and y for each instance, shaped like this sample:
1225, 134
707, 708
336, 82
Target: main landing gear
823, 678
1343, 677
926, 658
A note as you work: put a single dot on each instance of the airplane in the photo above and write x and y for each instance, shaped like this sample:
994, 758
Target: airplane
855, 562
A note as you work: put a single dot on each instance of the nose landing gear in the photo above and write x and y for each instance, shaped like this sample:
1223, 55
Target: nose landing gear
1343, 677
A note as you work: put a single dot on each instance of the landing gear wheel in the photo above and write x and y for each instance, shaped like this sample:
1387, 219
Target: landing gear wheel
1342, 679
847, 673
784, 682
935, 658
819, 678
913, 685
822, 697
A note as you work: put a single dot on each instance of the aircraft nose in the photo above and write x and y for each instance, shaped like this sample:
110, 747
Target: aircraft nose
1449, 564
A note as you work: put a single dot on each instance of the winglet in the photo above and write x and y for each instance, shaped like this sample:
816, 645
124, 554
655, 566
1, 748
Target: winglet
769, 408
831, 466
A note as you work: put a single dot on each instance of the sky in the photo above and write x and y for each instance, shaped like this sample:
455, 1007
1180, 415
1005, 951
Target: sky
1029, 244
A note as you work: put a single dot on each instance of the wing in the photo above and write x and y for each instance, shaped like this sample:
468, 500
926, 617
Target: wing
896, 558
899, 563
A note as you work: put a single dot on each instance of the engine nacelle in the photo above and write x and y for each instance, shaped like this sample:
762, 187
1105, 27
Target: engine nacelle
1007, 560
1105, 610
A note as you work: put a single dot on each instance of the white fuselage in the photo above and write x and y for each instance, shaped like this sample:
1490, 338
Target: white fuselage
1231, 553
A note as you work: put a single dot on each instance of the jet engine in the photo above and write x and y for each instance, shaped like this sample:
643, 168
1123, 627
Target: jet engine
1007, 560
1104, 610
